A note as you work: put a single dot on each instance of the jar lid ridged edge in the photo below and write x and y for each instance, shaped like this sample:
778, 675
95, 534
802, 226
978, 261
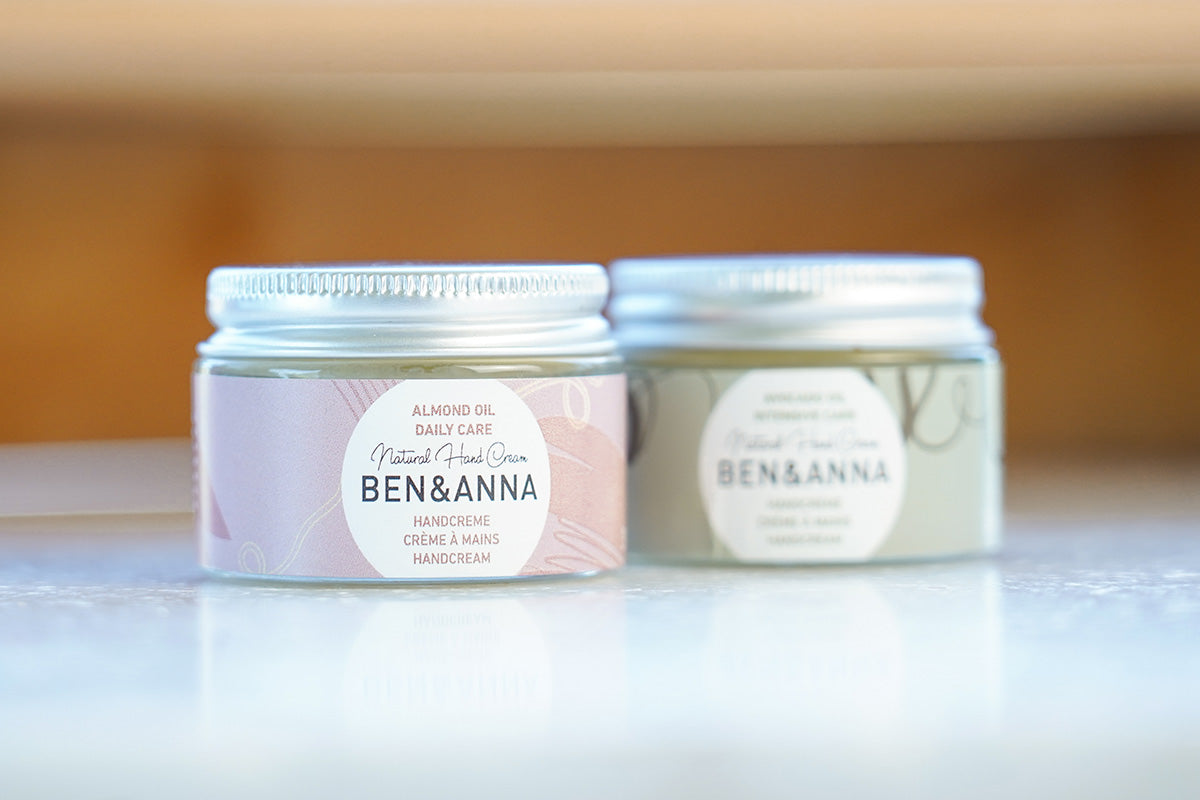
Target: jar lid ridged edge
813, 275
407, 280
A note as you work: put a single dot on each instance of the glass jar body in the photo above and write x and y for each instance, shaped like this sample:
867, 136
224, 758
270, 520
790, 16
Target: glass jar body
432, 468
792, 456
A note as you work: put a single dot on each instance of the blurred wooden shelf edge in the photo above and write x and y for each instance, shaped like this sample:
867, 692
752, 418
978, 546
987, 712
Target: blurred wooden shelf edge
607, 73
632, 108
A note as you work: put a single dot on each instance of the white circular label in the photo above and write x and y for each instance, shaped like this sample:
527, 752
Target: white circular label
445, 479
802, 465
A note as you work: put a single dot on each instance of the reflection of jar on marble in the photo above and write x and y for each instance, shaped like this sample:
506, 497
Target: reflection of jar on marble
810, 408
410, 422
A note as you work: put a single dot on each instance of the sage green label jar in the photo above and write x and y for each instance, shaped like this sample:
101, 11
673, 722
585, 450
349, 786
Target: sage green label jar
802, 409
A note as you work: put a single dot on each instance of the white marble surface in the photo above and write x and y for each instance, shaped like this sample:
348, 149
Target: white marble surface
1069, 666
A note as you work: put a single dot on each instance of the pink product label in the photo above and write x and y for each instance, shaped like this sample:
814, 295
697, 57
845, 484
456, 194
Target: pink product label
415, 479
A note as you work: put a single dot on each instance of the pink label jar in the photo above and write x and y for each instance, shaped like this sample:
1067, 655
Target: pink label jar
409, 422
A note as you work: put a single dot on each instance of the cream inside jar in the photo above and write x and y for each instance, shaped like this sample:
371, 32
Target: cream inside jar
796, 409
409, 422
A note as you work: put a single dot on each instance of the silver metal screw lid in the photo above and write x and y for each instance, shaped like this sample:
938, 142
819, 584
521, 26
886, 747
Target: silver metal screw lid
407, 310
802, 301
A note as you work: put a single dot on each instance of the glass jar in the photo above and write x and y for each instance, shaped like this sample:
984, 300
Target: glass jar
794, 409
426, 422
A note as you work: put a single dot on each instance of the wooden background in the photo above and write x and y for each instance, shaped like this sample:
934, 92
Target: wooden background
1091, 252
139, 149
